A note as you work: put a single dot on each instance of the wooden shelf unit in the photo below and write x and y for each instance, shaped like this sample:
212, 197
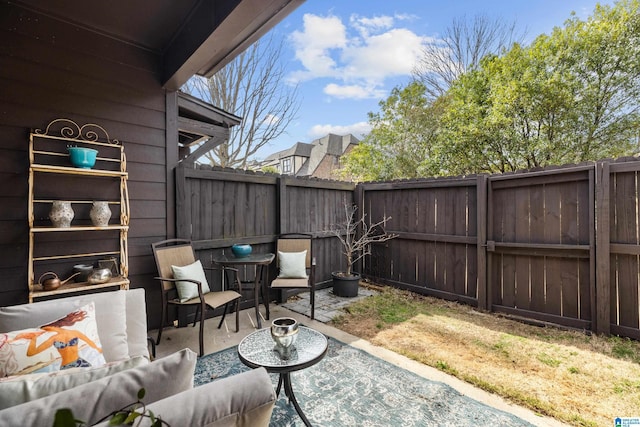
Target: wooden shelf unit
121, 282
48, 159
75, 171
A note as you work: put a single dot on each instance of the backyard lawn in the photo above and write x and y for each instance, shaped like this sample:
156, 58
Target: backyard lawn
580, 379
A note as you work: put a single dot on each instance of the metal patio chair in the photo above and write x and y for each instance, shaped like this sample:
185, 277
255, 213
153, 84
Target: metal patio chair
180, 252
291, 243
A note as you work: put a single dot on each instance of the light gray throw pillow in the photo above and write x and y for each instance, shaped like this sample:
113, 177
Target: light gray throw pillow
189, 290
292, 265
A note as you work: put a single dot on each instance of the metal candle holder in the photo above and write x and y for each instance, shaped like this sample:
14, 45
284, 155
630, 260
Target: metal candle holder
284, 331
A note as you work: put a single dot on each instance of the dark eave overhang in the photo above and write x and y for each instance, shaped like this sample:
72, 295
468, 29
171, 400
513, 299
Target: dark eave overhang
193, 108
179, 38
216, 32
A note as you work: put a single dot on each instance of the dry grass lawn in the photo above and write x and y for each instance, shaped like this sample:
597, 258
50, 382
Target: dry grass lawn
576, 378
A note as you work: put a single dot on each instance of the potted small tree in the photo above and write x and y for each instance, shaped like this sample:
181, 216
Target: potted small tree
355, 247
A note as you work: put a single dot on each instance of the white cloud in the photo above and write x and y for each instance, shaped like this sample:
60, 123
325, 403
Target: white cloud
314, 44
270, 119
365, 25
357, 129
353, 91
391, 53
358, 56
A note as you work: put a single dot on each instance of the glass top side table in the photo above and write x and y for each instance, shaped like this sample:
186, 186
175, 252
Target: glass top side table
258, 350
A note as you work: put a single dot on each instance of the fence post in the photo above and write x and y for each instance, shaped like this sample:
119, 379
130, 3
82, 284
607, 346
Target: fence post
603, 258
183, 204
481, 225
283, 223
358, 196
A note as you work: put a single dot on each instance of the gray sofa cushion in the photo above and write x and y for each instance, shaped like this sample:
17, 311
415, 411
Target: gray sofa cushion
136, 322
25, 388
243, 400
93, 401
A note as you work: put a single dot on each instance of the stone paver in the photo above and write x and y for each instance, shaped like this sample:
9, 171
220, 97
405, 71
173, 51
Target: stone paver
328, 305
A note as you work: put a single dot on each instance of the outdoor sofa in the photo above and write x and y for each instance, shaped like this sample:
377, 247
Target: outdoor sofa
92, 393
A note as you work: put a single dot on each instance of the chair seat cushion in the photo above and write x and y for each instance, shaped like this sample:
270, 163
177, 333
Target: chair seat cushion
19, 389
243, 400
290, 283
214, 299
217, 299
93, 401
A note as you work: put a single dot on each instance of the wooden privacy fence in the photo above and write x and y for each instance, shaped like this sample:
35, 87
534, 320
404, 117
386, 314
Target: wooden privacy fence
437, 226
559, 245
219, 207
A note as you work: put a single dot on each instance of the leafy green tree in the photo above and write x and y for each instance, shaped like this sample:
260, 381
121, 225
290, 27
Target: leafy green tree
270, 169
402, 136
365, 163
603, 56
507, 115
570, 96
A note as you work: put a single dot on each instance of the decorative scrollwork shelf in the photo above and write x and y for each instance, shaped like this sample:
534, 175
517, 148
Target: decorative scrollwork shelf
50, 174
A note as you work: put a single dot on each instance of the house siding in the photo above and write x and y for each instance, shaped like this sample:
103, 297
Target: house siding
50, 70
328, 167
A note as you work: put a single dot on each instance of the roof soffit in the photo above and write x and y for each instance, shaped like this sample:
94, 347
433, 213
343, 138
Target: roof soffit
216, 32
192, 36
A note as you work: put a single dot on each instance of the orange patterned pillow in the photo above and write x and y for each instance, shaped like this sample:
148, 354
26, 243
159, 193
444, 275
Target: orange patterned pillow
69, 342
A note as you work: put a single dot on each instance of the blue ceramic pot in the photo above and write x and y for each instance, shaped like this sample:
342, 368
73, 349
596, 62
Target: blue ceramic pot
82, 157
241, 251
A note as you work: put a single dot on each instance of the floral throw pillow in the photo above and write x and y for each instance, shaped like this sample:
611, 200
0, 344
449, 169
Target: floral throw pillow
69, 342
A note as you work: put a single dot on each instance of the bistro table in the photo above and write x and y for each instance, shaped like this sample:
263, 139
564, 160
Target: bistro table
258, 350
259, 261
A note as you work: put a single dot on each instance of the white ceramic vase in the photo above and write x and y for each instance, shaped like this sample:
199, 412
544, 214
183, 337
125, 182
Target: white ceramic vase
61, 214
100, 214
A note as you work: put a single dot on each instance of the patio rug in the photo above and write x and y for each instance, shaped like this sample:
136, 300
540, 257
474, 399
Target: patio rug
350, 387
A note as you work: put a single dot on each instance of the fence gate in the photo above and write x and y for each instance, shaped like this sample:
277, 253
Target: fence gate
541, 245
618, 256
436, 223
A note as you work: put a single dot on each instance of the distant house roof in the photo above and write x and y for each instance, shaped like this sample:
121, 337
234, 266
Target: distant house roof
301, 149
316, 154
329, 145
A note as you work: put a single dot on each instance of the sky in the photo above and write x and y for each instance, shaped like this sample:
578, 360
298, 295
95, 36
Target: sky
346, 56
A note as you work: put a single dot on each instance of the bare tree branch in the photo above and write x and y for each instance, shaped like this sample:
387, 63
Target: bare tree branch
251, 86
357, 246
463, 44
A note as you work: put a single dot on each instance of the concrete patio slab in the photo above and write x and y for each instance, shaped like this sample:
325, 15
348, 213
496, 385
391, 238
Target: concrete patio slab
175, 339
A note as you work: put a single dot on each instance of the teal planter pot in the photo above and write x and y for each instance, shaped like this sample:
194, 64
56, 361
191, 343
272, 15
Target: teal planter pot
241, 251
